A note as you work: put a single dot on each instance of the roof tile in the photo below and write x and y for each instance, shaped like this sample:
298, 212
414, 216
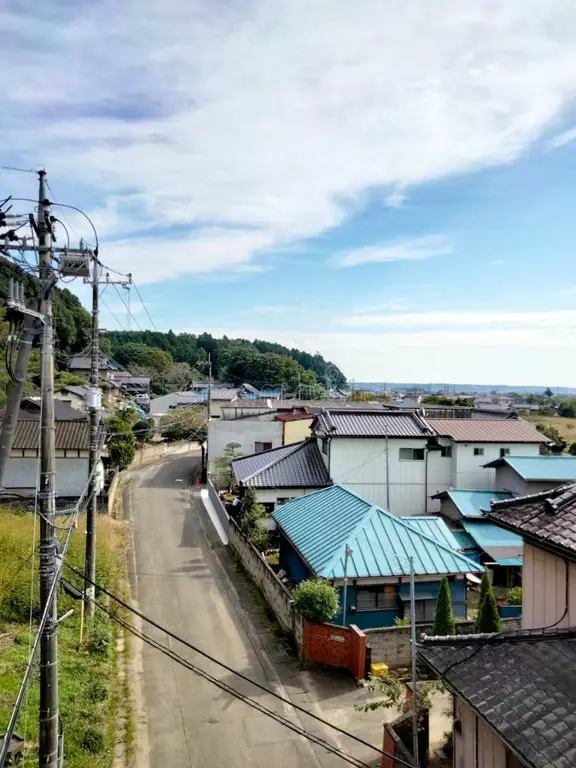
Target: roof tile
487, 431
291, 466
350, 423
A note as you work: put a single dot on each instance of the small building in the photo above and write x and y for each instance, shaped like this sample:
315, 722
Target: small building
524, 475
494, 547
515, 693
75, 396
81, 365
317, 531
72, 448
282, 474
295, 426
254, 434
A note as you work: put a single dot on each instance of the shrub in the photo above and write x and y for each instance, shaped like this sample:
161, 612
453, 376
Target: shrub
401, 621
99, 642
488, 619
316, 600
444, 617
259, 538
514, 596
93, 740
98, 692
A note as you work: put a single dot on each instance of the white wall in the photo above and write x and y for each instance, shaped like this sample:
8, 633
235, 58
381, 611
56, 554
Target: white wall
509, 480
271, 495
468, 470
243, 431
71, 475
360, 465
74, 401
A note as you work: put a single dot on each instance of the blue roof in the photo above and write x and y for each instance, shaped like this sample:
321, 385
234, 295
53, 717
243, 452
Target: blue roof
471, 503
487, 534
322, 524
560, 468
433, 526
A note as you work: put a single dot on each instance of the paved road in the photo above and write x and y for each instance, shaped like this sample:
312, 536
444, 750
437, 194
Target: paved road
180, 583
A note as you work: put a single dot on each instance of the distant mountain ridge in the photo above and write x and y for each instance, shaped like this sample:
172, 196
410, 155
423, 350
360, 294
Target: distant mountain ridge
455, 389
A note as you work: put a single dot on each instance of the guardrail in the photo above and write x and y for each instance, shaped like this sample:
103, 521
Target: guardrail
219, 508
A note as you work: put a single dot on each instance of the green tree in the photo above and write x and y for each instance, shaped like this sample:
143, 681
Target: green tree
572, 449
548, 392
488, 618
444, 618
316, 600
514, 596
253, 515
143, 430
223, 464
122, 441
358, 396
393, 693
184, 424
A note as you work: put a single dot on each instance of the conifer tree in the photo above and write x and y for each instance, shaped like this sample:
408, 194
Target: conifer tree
444, 617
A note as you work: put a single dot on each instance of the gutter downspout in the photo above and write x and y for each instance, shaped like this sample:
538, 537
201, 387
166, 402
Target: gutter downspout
426, 454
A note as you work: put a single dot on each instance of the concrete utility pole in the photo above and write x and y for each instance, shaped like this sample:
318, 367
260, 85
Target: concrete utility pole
415, 703
48, 742
94, 413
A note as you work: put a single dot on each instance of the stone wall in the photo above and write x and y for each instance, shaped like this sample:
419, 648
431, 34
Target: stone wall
391, 645
277, 595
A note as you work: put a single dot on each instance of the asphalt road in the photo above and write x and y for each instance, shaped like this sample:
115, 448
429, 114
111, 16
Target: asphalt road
180, 583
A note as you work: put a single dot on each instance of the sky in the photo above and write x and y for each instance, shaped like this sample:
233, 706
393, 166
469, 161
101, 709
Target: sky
389, 183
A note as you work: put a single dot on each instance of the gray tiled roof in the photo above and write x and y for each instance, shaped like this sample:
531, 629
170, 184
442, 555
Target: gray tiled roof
547, 518
290, 466
523, 686
70, 435
350, 423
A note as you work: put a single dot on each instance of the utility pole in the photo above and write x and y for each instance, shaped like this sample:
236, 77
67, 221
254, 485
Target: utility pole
94, 414
415, 706
48, 712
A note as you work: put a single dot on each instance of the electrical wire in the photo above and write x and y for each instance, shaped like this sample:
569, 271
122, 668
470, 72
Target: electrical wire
144, 305
219, 663
128, 308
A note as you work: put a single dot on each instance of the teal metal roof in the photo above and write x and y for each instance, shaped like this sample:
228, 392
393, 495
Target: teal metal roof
471, 503
433, 526
510, 561
487, 534
553, 468
321, 525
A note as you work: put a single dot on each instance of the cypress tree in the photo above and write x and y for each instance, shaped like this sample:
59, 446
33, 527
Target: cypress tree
444, 618
488, 619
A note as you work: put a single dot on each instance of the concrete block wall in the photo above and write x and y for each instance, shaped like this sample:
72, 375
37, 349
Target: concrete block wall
391, 645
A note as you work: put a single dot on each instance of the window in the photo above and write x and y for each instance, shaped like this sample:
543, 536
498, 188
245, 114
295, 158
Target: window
504, 452
425, 610
446, 451
478, 451
384, 598
259, 447
283, 500
411, 454
325, 446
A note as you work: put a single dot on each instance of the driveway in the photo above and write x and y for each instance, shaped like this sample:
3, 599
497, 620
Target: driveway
181, 583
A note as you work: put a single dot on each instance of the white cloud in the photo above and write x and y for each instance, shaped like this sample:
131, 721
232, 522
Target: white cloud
413, 249
276, 117
566, 137
466, 319
396, 198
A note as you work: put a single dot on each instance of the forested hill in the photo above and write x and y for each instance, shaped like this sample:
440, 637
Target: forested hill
261, 363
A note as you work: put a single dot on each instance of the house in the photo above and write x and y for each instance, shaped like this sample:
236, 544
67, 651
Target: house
75, 396
30, 408
72, 448
515, 693
132, 385
81, 365
253, 434
525, 475
494, 547
475, 443
400, 460
282, 474
318, 530
295, 426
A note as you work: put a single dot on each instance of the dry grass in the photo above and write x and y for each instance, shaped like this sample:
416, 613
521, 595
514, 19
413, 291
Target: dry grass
566, 427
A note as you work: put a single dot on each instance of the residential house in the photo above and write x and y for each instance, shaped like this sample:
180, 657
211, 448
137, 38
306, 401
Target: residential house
494, 547
318, 530
475, 443
31, 408
253, 434
523, 475
282, 474
81, 365
295, 426
399, 460
133, 386
72, 447
75, 396
515, 693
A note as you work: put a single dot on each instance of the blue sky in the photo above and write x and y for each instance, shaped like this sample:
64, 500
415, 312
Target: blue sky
390, 187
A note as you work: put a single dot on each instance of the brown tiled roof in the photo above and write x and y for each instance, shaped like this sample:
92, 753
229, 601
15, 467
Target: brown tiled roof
487, 431
548, 519
70, 435
522, 685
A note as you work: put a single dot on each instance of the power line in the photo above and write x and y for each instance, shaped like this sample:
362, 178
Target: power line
232, 671
127, 308
144, 305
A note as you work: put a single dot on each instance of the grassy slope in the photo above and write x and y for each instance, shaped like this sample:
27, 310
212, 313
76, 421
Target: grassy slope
89, 687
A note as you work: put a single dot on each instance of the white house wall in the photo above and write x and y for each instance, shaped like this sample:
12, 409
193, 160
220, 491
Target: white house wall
71, 475
469, 469
243, 431
271, 495
509, 480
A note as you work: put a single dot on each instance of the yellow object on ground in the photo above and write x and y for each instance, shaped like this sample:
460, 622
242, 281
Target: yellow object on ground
379, 670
